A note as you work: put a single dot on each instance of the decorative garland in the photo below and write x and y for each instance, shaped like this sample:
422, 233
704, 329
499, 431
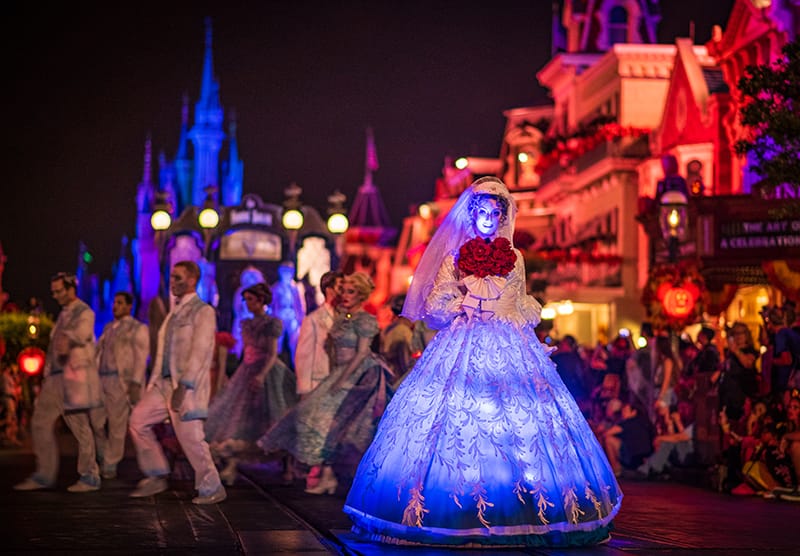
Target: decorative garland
565, 149
674, 296
577, 256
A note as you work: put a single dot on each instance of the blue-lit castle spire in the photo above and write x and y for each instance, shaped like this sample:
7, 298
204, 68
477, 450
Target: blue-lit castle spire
144, 248
183, 160
182, 182
233, 169
207, 133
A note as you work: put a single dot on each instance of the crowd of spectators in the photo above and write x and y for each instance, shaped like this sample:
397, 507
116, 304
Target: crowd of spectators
719, 406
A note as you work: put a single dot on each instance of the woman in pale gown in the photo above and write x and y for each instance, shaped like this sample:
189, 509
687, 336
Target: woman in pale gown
260, 391
338, 418
482, 444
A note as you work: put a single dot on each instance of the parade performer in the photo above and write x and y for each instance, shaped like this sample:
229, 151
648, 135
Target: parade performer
482, 444
71, 389
121, 360
179, 389
338, 418
260, 391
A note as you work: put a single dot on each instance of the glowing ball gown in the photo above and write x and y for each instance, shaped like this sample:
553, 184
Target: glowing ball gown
482, 443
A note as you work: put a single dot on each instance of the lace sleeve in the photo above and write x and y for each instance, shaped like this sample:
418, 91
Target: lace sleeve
529, 308
443, 303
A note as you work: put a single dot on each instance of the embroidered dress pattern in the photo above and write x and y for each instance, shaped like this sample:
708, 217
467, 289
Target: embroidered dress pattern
482, 444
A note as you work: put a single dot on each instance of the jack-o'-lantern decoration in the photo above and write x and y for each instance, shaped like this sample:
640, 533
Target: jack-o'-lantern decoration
674, 296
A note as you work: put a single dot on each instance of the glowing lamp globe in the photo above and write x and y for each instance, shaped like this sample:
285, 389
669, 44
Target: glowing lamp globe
565, 308
425, 211
31, 360
548, 313
160, 220
461, 163
292, 219
523, 157
208, 218
338, 223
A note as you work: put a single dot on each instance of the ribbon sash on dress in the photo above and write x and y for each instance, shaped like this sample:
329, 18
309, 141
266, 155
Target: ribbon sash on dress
481, 295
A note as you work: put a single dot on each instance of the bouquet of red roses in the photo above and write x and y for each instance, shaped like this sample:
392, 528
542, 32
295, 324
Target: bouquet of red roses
481, 258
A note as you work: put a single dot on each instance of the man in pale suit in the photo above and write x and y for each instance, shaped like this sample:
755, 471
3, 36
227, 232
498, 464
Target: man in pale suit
179, 389
311, 358
71, 388
122, 357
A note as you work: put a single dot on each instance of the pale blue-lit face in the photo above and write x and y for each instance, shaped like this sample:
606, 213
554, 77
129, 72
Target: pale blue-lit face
487, 218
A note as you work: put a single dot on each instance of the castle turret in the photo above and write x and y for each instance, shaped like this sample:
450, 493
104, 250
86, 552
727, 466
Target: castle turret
183, 161
144, 248
593, 26
207, 133
368, 211
232, 170
368, 247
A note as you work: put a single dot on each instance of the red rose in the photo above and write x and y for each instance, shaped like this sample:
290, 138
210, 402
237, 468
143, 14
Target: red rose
479, 258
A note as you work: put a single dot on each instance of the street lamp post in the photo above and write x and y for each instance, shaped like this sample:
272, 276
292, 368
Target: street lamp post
160, 221
292, 219
337, 221
672, 220
208, 218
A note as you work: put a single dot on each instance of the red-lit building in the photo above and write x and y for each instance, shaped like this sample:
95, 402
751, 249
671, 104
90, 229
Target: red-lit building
583, 168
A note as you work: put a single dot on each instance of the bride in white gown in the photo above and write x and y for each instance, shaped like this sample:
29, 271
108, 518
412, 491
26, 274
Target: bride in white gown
482, 444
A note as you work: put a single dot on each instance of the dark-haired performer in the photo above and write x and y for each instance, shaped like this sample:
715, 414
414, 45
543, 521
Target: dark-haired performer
122, 357
71, 388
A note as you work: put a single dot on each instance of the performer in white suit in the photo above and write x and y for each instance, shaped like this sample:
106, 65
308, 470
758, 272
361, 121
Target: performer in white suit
311, 359
122, 357
179, 388
71, 388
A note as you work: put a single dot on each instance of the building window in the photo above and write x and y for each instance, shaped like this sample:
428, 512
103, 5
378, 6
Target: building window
618, 26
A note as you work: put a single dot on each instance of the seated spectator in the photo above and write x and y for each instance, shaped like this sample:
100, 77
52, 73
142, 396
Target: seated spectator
629, 442
789, 447
769, 470
673, 443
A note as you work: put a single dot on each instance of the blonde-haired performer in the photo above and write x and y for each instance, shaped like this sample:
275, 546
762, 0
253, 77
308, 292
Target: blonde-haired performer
335, 421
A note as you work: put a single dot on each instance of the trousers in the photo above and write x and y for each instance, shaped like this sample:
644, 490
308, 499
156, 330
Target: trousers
154, 408
48, 408
115, 412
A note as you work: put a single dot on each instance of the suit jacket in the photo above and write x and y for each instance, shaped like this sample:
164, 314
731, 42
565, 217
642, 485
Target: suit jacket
82, 389
186, 344
129, 341
311, 356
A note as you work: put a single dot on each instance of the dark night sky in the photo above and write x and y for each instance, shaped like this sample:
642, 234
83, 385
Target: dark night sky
85, 85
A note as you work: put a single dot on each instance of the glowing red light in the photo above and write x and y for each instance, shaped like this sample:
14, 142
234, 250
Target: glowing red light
31, 360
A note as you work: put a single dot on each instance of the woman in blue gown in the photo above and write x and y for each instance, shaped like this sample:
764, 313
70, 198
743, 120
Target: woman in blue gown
482, 444
336, 421
260, 392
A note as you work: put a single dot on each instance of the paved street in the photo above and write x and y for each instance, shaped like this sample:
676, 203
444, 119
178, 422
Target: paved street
264, 516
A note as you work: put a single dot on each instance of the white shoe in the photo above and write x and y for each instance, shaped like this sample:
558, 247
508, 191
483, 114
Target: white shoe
30, 484
324, 486
81, 486
149, 486
214, 498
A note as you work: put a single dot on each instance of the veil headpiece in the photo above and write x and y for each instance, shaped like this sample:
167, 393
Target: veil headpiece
456, 229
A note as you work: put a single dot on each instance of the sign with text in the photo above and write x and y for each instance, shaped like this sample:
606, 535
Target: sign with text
776, 236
